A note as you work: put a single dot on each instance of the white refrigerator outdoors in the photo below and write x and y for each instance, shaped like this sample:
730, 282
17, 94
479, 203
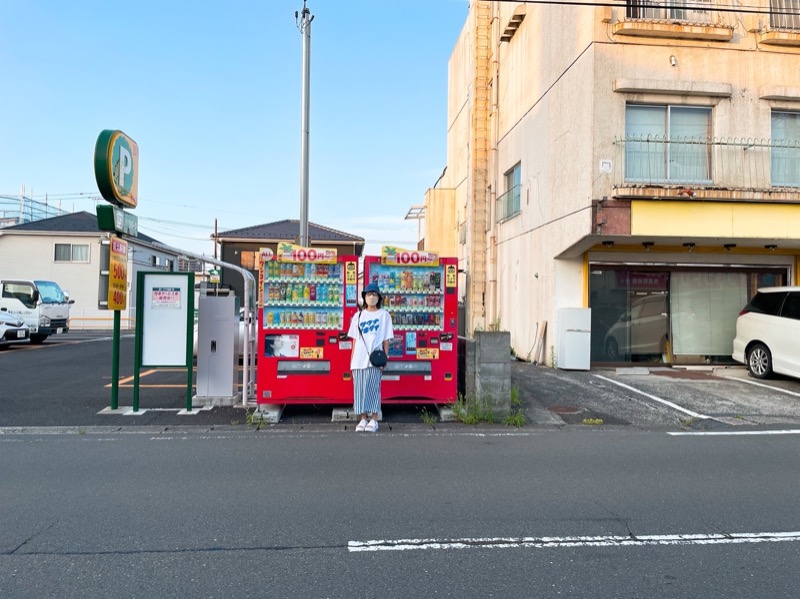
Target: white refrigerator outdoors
574, 338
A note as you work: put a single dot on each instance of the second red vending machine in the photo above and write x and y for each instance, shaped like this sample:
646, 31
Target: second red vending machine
420, 292
307, 298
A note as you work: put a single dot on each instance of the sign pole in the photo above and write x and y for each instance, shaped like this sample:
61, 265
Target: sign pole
115, 363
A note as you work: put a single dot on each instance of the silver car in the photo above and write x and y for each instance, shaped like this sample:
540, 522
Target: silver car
12, 329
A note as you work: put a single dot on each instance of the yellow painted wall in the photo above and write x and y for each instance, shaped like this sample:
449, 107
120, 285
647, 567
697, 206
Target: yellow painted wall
440, 225
713, 219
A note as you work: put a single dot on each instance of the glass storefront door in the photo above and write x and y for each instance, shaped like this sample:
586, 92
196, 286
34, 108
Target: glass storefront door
631, 320
670, 315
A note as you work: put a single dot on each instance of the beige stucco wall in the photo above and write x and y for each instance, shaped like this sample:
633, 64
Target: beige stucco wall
557, 114
440, 225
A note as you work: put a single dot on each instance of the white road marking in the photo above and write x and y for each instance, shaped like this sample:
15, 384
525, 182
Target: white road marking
556, 542
731, 433
770, 387
654, 398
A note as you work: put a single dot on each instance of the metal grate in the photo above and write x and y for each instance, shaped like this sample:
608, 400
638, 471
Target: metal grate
724, 163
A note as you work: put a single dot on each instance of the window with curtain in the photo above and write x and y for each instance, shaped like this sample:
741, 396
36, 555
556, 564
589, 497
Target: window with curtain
785, 161
71, 252
667, 144
703, 311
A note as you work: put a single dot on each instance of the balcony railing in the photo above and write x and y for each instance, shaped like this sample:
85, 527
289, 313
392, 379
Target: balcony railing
690, 19
784, 14
689, 11
507, 204
733, 163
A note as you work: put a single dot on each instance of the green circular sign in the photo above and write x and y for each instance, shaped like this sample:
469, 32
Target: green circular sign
116, 168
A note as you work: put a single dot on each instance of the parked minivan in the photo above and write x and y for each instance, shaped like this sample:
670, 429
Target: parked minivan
768, 333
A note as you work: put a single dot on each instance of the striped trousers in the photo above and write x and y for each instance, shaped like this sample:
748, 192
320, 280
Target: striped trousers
367, 390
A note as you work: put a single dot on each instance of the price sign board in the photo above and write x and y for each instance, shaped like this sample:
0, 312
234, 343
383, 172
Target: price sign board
118, 274
289, 252
399, 257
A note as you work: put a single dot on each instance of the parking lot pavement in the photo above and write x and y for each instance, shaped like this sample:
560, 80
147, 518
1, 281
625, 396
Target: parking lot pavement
66, 382
694, 398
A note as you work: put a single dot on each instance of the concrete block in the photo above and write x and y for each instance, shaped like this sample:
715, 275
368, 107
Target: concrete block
493, 346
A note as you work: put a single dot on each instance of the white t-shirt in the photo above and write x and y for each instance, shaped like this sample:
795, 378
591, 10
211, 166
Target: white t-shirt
376, 327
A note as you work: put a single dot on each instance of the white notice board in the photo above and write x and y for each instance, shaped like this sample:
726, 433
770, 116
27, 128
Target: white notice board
165, 319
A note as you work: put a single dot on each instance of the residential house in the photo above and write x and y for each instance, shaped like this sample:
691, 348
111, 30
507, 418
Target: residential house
66, 249
242, 246
599, 156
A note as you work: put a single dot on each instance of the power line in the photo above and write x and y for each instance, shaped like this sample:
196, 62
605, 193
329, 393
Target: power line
706, 6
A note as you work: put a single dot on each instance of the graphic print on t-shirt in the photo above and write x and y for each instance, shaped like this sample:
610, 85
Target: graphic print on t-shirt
367, 326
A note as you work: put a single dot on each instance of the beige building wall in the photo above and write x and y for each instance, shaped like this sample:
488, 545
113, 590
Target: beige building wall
560, 88
440, 222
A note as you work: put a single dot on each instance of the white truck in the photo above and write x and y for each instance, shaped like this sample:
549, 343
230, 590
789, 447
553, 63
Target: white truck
41, 304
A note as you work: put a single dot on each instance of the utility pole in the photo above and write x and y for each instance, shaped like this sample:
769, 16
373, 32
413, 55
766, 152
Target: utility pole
303, 20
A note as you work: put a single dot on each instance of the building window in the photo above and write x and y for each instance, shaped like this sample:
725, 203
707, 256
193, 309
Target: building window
667, 144
249, 259
508, 203
154, 261
784, 14
71, 252
170, 265
785, 160
672, 10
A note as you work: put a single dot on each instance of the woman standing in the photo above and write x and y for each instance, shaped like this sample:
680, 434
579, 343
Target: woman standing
370, 329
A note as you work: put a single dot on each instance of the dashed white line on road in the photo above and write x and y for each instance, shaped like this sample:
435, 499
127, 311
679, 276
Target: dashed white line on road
734, 433
661, 400
560, 542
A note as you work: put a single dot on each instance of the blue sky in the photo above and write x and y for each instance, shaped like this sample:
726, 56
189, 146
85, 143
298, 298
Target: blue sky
212, 96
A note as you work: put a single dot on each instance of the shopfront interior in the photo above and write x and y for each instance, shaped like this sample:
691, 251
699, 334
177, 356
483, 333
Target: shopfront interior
669, 314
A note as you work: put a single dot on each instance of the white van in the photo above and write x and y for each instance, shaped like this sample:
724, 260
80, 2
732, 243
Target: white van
41, 304
767, 333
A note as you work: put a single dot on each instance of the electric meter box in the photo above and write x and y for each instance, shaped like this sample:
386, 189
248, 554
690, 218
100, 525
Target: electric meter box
217, 349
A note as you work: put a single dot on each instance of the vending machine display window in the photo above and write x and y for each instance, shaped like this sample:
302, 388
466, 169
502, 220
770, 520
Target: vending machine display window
420, 293
306, 298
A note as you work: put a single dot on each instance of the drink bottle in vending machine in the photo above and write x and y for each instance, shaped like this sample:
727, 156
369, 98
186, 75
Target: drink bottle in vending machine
307, 298
420, 292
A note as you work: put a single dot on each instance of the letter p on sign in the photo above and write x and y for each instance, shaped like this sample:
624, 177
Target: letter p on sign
116, 168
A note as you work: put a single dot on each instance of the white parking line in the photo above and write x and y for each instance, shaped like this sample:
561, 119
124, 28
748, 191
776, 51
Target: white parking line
733, 378
655, 398
732, 433
557, 542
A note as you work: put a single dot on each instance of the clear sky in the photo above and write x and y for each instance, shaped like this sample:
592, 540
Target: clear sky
211, 92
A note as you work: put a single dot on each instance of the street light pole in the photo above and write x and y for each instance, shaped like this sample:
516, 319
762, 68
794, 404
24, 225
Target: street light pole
304, 25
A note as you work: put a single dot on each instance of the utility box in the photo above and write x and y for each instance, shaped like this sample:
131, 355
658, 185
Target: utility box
217, 351
574, 338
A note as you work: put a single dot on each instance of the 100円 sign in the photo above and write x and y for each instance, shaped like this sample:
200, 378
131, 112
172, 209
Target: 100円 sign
116, 168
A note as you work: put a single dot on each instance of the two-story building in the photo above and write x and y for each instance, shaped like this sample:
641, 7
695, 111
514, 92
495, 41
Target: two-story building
641, 160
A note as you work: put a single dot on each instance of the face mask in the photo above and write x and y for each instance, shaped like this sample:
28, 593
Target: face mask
372, 300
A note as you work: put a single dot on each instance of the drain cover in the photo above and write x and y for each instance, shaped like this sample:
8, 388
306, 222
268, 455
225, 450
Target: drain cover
563, 409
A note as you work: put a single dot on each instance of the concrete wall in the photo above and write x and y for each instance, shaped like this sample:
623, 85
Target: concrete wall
440, 222
488, 370
559, 102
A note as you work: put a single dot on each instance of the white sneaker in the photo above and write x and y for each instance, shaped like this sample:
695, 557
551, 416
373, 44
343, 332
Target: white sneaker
372, 426
361, 426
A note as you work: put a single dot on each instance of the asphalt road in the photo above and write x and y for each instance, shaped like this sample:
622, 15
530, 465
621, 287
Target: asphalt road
545, 513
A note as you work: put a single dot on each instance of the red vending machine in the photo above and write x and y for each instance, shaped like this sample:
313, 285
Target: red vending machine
307, 297
420, 292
